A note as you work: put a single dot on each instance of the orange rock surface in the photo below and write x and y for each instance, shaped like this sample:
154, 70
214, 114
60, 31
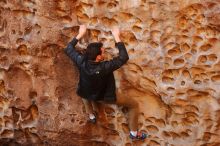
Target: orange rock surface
173, 71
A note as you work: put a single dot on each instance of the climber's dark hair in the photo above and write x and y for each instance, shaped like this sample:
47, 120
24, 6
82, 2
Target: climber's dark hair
93, 50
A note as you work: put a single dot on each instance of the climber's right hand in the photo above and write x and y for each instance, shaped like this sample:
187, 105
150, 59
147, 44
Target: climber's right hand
116, 33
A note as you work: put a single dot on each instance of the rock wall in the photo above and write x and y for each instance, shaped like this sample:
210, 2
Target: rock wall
173, 71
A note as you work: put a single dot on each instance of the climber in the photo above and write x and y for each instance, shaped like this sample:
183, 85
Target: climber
97, 82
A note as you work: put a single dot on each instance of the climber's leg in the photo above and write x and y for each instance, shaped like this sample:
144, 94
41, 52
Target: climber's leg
133, 108
95, 106
89, 110
133, 112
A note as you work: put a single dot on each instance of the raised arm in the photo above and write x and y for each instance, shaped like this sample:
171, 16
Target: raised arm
123, 55
70, 49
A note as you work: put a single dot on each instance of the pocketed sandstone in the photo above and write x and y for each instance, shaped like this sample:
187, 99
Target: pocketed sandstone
173, 71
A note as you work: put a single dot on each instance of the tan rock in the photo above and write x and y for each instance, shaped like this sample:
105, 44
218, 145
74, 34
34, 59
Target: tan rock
173, 71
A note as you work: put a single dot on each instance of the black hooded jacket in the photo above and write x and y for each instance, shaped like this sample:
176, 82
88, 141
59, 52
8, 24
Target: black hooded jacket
97, 80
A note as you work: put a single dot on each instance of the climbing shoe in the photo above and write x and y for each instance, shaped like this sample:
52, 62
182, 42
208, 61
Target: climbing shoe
93, 119
139, 136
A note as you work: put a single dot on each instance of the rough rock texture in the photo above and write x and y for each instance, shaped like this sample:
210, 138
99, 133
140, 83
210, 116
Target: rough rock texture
173, 71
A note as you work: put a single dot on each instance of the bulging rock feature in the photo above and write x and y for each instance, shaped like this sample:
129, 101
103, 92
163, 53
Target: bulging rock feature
173, 71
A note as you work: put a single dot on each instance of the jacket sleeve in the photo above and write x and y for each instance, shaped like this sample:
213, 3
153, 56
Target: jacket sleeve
72, 53
117, 62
